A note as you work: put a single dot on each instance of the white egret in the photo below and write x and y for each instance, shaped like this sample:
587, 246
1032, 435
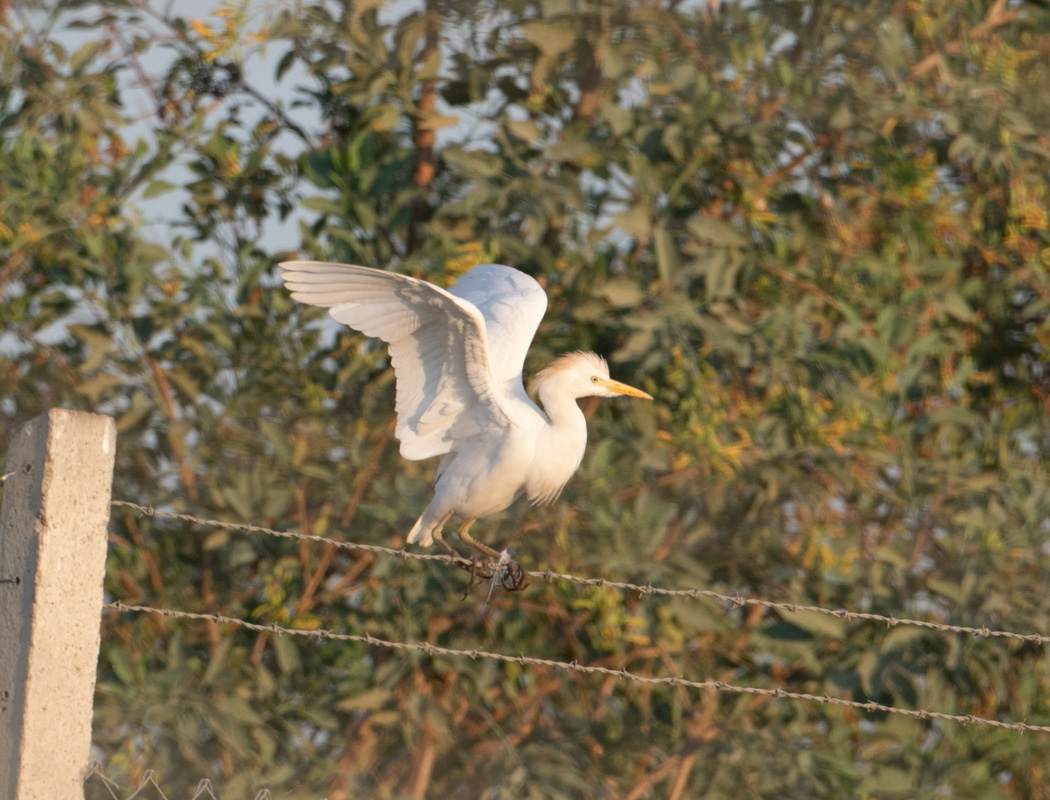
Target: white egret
457, 357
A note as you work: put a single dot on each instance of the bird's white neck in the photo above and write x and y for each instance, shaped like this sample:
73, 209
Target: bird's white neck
560, 445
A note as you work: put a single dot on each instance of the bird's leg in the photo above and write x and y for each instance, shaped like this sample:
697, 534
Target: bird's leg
445, 545
466, 537
478, 568
440, 539
513, 578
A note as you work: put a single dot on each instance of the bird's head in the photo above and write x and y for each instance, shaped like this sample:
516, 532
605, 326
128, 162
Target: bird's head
583, 375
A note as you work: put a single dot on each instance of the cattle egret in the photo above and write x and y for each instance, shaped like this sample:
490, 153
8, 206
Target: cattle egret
457, 356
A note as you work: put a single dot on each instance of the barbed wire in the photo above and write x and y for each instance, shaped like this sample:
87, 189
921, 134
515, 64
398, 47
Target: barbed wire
432, 650
149, 511
150, 780
735, 601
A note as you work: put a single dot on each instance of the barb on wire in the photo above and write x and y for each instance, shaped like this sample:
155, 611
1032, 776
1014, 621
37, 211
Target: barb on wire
735, 601
148, 780
432, 649
204, 789
95, 770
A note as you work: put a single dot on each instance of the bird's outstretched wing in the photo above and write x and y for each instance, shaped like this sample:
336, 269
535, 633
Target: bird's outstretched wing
512, 304
447, 389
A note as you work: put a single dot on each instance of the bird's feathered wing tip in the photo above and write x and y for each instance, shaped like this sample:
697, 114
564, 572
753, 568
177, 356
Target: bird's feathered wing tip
327, 284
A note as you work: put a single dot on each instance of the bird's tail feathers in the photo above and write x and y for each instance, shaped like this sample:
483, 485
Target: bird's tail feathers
421, 533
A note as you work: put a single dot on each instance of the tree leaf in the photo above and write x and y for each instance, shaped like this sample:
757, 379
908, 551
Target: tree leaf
715, 232
552, 37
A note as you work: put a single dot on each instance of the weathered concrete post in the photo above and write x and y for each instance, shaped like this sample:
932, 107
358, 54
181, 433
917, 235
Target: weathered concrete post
55, 506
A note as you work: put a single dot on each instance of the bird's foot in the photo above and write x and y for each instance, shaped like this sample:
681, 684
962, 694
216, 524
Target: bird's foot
508, 574
514, 578
480, 569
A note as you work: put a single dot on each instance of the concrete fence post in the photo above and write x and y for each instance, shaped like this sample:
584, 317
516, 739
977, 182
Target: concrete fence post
53, 516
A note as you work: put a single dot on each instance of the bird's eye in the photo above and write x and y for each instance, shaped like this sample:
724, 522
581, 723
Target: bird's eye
594, 378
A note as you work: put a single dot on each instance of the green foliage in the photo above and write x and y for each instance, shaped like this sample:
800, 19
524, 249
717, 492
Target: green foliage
816, 232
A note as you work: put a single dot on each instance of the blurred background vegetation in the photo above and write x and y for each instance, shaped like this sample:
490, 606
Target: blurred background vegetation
815, 230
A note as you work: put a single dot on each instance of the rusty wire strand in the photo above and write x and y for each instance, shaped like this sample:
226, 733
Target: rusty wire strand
436, 650
735, 601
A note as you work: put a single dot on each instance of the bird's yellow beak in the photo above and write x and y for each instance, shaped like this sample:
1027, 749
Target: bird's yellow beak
623, 388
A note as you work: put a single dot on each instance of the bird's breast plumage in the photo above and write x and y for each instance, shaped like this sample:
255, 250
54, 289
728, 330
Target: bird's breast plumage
559, 451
